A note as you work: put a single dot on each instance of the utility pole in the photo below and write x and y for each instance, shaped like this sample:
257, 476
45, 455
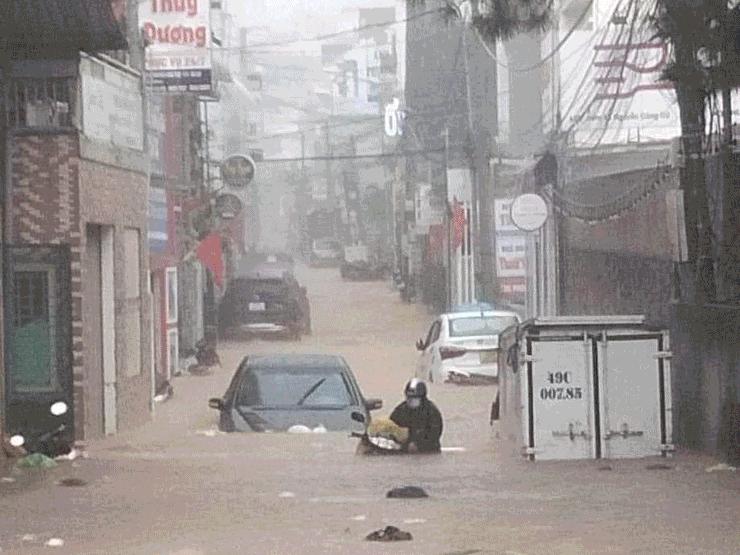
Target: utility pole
4, 218
448, 221
329, 183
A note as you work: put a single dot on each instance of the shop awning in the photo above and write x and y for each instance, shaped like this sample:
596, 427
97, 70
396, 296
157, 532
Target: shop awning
38, 28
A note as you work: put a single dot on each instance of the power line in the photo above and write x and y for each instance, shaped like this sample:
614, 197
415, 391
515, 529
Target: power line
561, 43
350, 156
327, 36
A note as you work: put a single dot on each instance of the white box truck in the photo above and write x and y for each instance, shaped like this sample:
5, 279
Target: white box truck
580, 387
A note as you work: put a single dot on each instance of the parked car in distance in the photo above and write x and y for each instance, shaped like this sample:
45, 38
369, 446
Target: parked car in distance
277, 392
325, 253
254, 261
463, 345
359, 265
265, 302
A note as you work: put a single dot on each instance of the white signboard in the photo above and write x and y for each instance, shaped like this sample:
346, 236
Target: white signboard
429, 211
611, 75
178, 38
511, 256
511, 253
112, 110
459, 185
529, 212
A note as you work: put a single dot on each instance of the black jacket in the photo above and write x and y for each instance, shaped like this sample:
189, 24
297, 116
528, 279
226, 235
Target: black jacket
424, 424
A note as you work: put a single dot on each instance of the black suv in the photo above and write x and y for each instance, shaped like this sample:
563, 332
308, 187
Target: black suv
265, 303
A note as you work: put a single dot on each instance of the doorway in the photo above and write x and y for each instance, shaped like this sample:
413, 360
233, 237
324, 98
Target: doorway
99, 332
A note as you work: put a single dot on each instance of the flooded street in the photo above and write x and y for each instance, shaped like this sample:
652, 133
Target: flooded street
177, 486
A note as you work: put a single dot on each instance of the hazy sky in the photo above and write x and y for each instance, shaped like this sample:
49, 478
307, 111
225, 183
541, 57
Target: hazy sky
303, 17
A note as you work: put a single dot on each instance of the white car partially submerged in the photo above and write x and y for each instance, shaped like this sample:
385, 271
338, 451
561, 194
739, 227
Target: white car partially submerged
463, 345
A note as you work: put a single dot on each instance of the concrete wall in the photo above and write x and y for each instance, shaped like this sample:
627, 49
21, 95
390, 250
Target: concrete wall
118, 197
706, 379
622, 264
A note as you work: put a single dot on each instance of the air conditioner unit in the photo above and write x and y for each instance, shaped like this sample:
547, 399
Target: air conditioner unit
678, 159
46, 113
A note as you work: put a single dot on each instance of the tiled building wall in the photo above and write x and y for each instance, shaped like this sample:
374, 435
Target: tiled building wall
46, 210
119, 197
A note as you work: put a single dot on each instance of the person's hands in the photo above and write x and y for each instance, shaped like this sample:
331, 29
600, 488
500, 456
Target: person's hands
412, 448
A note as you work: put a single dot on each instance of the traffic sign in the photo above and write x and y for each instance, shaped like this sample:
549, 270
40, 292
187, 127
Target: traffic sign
238, 170
529, 212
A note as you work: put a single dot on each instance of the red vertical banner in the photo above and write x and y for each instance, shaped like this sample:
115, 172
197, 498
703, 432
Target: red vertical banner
458, 223
210, 253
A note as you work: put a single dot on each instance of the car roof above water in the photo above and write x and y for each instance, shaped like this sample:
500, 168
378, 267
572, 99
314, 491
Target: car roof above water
283, 362
474, 314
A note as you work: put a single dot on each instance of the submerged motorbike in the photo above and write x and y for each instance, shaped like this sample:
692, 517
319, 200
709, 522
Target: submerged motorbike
52, 442
382, 437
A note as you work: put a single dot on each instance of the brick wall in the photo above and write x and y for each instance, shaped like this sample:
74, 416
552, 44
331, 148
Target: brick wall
46, 211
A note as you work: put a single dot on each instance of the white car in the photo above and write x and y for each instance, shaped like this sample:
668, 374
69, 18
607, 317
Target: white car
325, 252
463, 345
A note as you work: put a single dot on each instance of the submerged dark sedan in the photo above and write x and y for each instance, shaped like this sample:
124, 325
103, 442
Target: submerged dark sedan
278, 392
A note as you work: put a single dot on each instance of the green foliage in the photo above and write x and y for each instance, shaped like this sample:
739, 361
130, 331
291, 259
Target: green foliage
703, 35
502, 19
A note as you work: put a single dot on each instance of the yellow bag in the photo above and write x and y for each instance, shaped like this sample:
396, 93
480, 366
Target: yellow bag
386, 428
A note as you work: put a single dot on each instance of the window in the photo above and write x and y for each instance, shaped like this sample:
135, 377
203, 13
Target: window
578, 14
42, 103
171, 291
254, 82
477, 326
434, 331
33, 342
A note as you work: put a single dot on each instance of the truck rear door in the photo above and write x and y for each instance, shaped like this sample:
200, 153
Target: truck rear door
560, 403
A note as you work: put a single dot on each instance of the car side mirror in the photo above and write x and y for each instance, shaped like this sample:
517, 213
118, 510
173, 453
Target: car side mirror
373, 404
358, 417
215, 403
420, 345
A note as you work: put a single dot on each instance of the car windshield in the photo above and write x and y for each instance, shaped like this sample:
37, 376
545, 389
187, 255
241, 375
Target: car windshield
306, 388
478, 326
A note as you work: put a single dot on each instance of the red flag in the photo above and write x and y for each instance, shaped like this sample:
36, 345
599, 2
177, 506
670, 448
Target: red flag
210, 254
458, 222
436, 240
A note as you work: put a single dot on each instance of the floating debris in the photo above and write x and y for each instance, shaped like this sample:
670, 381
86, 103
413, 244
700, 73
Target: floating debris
286, 494
72, 482
659, 466
359, 518
389, 534
54, 542
720, 468
407, 492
